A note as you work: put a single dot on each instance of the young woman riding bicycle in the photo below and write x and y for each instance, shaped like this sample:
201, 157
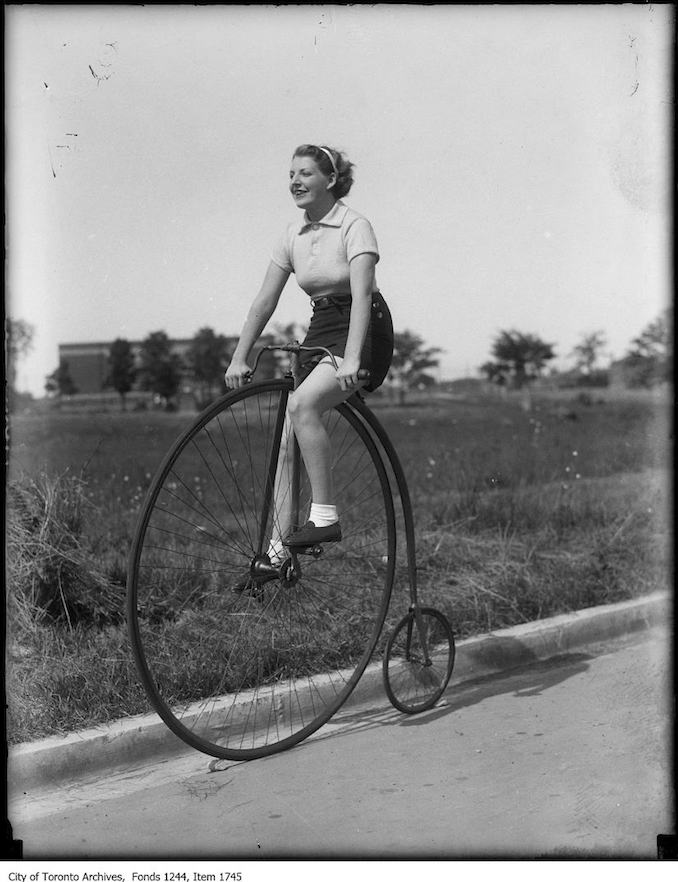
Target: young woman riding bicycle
247, 672
333, 253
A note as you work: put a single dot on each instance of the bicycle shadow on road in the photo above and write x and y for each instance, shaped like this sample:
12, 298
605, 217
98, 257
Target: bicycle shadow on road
524, 681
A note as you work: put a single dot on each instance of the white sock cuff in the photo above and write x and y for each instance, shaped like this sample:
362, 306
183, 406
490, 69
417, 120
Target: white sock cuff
323, 515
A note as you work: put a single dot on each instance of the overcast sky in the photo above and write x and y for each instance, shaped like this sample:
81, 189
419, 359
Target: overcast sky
513, 160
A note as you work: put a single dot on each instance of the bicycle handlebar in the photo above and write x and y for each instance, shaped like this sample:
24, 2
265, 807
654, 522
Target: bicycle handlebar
295, 349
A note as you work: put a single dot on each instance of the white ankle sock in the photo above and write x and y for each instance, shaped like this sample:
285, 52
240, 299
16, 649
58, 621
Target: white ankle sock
323, 515
276, 551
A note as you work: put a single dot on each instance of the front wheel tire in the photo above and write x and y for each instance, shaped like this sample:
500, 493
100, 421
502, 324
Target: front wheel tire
241, 666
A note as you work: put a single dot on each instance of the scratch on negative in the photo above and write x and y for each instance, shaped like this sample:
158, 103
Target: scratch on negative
51, 164
96, 76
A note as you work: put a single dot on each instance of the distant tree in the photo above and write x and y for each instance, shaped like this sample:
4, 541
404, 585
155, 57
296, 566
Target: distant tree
650, 358
518, 359
60, 381
160, 368
19, 339
411, 360
587, 353
208, 357
496, 372
121, 372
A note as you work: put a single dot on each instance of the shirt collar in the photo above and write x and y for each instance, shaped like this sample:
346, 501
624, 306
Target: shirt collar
333, 218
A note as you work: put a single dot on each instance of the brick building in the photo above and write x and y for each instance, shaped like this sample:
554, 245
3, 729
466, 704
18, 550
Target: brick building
87, 364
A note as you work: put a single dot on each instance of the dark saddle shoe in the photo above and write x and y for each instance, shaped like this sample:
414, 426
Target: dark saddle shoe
309, 534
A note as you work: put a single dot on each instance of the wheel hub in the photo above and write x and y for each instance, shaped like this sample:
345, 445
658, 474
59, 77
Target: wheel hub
262, 570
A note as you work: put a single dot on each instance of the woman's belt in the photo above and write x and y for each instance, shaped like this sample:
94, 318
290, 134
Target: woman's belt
330, 300
335, 300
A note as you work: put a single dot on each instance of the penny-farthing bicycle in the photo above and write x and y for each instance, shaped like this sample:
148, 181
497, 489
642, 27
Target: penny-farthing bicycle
240, 658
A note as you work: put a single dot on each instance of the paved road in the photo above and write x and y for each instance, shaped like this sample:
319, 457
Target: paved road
565, 758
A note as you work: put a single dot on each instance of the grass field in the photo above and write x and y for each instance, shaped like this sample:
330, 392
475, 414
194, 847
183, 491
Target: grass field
519, 515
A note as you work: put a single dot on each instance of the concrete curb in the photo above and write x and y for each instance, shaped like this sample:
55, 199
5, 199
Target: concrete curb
135, 740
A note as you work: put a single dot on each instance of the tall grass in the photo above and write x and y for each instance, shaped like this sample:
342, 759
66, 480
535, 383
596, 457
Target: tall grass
519, 515
53, 578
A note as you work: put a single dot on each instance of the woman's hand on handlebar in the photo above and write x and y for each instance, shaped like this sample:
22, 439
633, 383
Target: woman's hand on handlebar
237, 375
349, 375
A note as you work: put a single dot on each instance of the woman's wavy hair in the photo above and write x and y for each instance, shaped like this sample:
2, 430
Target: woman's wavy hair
344, 167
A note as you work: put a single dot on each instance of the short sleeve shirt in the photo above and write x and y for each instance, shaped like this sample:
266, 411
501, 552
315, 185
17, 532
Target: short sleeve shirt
319, 253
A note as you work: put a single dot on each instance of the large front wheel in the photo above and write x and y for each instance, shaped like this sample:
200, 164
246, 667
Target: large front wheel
240, 666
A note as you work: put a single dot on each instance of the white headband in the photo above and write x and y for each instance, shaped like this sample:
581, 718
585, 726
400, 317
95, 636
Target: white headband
331, 158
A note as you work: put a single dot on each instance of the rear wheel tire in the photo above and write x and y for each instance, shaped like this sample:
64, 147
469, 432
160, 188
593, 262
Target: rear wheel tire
412, 684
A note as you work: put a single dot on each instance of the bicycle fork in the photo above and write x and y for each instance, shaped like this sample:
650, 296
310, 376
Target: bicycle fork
261, 569
401, 483
418, 620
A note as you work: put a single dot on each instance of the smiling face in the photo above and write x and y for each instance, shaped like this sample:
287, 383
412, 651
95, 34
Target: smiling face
310, 186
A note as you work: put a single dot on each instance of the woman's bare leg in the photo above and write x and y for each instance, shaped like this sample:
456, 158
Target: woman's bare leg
318, 393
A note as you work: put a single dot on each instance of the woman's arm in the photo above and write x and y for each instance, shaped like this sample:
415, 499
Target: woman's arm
361, 270
262, 308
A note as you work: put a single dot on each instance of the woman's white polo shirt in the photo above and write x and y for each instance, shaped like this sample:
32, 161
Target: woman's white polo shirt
319, 252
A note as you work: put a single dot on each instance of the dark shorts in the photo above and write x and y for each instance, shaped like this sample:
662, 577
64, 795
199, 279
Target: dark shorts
329, 328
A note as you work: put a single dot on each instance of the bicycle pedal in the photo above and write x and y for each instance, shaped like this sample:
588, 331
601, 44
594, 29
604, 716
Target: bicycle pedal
311, 550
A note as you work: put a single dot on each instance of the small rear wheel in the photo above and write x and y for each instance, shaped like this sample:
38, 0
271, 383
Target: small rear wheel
413, 682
